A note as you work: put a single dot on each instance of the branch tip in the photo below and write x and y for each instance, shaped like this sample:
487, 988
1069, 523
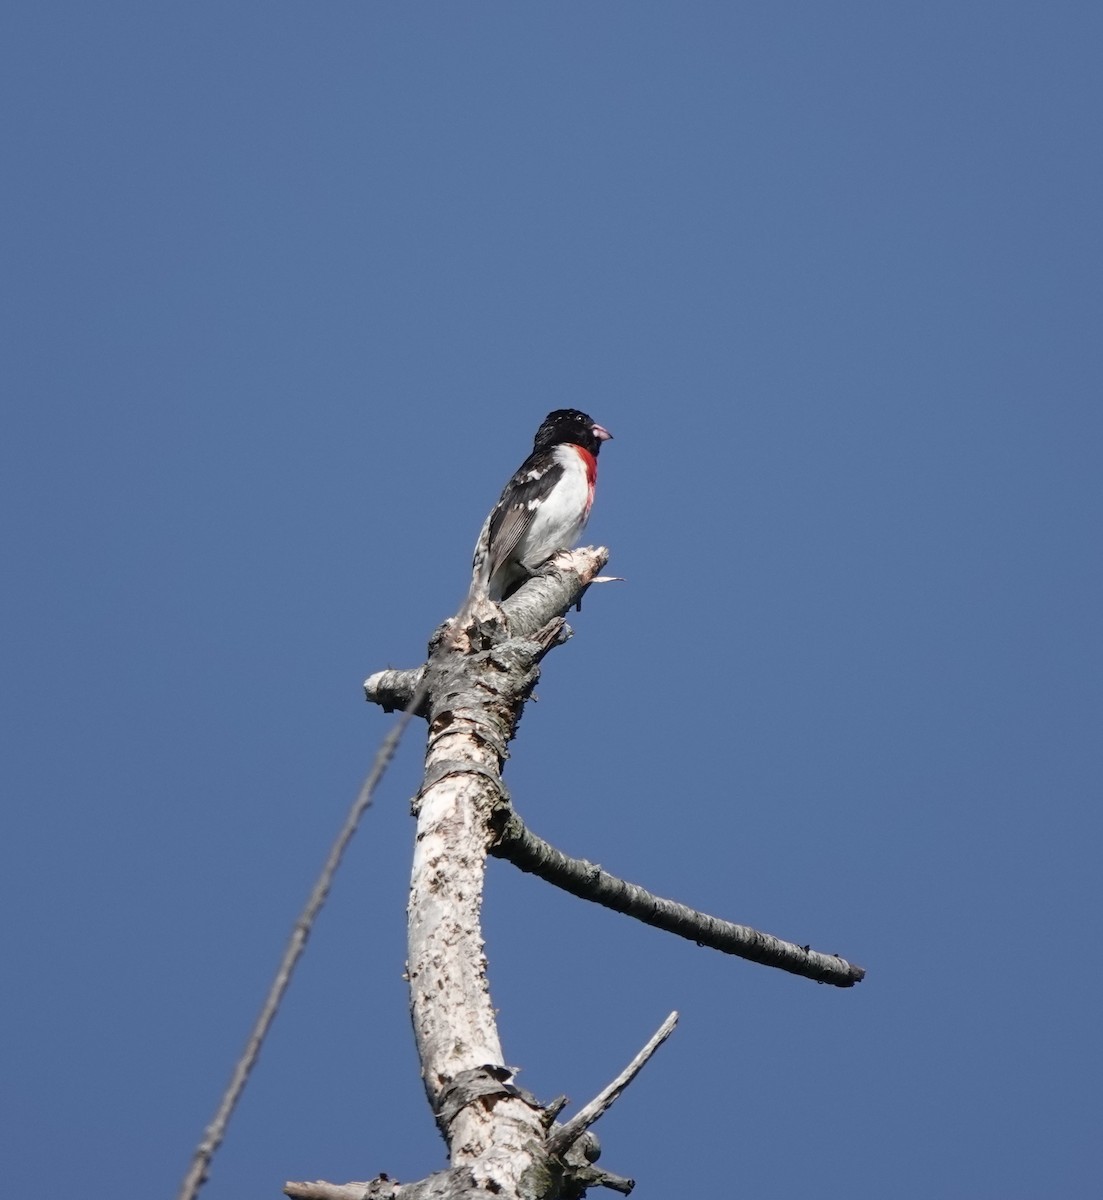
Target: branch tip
520, 846
566, 1135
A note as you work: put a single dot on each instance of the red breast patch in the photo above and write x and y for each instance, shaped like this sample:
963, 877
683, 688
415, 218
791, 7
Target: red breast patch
590, 464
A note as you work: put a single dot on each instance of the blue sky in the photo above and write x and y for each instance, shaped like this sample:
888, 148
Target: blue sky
287, 289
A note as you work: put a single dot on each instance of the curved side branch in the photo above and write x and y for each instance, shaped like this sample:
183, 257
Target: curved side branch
524, 849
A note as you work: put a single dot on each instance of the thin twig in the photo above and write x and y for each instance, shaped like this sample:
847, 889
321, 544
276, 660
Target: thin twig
216, 1130
520, 846
567, 1134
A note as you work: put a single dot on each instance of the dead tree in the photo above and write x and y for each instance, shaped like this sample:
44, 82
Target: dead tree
502, 1141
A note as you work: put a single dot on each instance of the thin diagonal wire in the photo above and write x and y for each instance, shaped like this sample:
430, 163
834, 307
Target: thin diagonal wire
216, 1130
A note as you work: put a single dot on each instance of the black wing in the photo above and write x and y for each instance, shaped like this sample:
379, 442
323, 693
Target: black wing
513, 514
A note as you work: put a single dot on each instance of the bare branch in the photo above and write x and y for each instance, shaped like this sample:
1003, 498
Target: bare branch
478, 678
569, 1133
524, 849
559, 585
392, 690
444, 1185
214, 1133
552, 592
318, 1189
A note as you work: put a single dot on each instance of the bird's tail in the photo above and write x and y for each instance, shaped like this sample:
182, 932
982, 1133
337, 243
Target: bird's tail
478, 595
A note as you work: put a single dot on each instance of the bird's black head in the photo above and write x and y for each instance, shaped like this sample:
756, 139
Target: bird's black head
568, 425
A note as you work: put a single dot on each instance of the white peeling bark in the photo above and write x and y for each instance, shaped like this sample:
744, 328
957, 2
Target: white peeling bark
471, 692
474, 702
449, 993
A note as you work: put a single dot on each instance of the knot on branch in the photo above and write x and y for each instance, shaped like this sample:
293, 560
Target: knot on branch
447, 768
479, 1085
579, 1172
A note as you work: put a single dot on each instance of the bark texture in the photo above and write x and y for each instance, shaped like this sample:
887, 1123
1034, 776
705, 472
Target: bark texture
474, 704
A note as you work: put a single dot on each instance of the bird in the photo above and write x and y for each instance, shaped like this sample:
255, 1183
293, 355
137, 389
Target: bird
543, 508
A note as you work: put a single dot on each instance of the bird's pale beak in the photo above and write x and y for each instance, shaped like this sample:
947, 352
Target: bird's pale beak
602, 435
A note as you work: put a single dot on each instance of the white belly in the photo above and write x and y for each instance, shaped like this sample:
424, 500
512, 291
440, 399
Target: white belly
562, 517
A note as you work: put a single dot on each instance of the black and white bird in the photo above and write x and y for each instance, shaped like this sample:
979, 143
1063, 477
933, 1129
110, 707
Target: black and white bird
544, 507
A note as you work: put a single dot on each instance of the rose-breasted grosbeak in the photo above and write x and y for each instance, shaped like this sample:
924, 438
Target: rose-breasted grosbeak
544, 506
